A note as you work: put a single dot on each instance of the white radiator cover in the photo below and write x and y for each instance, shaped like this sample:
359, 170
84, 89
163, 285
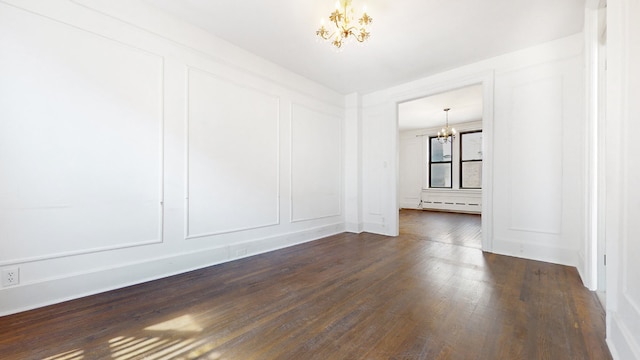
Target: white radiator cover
452, 200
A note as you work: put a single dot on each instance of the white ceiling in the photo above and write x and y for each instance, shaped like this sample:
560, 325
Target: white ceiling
428, 112
409, 38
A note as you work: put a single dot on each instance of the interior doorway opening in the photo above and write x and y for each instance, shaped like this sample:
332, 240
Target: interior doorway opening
440, 177
447, 84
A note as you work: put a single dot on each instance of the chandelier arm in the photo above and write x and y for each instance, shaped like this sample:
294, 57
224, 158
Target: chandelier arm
341, 20
327, 37
361, 37
335, 21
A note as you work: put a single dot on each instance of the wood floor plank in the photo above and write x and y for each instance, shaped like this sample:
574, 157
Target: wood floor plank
429, 293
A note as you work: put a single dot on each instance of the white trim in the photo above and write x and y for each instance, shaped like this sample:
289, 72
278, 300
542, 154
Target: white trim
452, 82
27, 296
161, 150
292, 218
628, 348
187, 233
589, 265
535, 251
376, 228
354, 228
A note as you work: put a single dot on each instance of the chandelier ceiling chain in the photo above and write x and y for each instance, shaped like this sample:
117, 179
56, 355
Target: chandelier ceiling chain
447, 134
343, 19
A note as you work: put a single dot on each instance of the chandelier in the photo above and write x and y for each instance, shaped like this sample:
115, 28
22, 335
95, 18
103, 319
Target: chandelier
343, 19
447, 134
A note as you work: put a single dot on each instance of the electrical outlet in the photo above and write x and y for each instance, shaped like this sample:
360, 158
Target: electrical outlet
10, 277
241, 252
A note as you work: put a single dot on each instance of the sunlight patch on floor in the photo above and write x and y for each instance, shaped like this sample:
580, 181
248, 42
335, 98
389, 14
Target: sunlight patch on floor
155, 348
169, 340
181, 323
77, 354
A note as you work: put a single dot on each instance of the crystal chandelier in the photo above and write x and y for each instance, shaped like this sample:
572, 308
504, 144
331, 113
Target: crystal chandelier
447, 134
343, 19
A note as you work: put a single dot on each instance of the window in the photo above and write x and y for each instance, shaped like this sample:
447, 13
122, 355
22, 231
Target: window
471, 160
439, 163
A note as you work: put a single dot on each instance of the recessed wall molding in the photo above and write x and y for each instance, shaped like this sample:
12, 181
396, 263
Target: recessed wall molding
75, 26
376, 183
27, 260
533, 230
232, 160
240, 59
535, 125
316, 164
71, 140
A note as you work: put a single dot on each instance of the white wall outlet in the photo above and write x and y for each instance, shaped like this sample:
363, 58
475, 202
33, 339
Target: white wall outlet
241, 252
10, 276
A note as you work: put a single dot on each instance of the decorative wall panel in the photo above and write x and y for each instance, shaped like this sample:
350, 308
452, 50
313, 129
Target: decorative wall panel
233, 162
535, 156
315, 164
80, 140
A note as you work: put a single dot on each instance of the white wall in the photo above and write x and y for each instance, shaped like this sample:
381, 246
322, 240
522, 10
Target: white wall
533, 186
622, 178
134, 147
379, 168
353, 163
539, 161
411, 168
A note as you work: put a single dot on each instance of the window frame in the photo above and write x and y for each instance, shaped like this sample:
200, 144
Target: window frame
467, 161
450, 162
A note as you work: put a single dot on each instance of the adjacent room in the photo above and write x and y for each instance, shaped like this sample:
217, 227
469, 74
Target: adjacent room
440, 164
192, 179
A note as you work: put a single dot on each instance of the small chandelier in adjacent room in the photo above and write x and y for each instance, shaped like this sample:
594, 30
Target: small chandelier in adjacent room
344, 21
446, 134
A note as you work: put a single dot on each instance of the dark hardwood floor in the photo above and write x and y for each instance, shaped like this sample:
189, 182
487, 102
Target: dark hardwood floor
450, 228
417, 296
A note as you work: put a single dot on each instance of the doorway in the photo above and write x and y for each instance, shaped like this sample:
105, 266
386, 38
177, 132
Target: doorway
448, 179
437, 171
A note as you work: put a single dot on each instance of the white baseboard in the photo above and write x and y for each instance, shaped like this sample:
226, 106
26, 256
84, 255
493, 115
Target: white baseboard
410, 205
51, 291
620, 339
537, 252
356, 228
580, 265
381, 229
